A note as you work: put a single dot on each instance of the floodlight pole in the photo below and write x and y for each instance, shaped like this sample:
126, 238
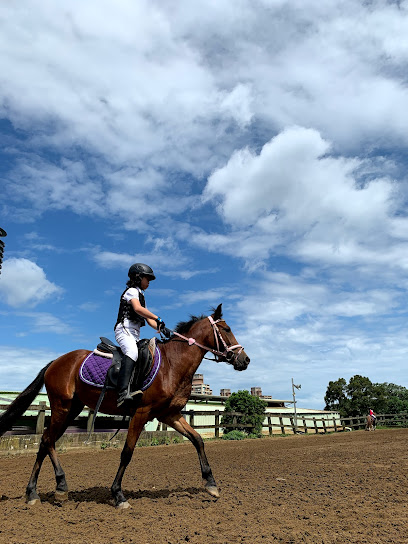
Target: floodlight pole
294, 386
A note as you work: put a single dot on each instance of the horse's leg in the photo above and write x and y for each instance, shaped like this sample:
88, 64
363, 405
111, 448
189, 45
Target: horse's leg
61, 416
135, 428
180, 424
31, 489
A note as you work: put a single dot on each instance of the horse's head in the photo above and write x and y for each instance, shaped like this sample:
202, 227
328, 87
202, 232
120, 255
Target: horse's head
226, 344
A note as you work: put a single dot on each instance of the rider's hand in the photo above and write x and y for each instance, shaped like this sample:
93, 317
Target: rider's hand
165, 332
160, 324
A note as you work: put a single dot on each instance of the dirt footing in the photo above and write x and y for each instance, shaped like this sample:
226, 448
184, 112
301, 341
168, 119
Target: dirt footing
326, 489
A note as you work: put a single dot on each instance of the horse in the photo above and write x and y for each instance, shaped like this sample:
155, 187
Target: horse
163, 400
371, 423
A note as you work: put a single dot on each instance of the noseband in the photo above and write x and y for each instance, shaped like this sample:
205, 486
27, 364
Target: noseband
229, 354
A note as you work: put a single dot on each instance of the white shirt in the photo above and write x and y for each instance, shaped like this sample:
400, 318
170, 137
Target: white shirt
132, 292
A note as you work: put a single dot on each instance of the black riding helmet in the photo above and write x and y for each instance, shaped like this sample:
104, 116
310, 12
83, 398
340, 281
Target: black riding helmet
140, 269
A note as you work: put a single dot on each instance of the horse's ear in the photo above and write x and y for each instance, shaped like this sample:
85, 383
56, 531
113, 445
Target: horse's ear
218, 313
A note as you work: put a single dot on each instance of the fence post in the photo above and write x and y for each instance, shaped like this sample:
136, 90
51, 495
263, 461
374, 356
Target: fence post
270, 426
217, 424
305, 425
292, 424
324, 426
334, 424
89, 420
39, 429
192, 418
282, 426
315, 425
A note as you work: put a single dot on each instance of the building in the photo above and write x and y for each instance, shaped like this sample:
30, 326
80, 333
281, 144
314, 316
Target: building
256, 391
225, 392
199, 387
279, 414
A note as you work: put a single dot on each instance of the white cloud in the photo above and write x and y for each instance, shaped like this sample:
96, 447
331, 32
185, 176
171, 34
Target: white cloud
48, 323
145, 93
24, 283
294, 181
296, 199
26, 363
162, 254
310, 330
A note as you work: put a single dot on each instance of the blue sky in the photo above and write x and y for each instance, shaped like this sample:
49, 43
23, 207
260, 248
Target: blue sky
252, 153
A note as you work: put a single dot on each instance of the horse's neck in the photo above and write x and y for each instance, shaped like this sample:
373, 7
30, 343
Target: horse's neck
190, 356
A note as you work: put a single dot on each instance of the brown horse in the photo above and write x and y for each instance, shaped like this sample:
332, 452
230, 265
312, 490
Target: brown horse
163, 400
371, 423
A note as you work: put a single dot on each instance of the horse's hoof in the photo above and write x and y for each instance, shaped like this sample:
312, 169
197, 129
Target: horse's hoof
61, 496
33, 502
213, 491
123, 505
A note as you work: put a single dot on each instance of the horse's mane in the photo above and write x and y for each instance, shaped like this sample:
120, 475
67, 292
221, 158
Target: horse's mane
184, 326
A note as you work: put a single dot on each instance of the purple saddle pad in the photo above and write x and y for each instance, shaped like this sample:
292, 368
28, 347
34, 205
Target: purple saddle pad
93, 370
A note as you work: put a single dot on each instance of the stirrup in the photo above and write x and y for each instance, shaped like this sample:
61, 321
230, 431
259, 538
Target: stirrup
137, 393
128, 397
124, 397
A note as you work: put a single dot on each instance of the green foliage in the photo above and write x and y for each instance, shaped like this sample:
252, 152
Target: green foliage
360, 394
252, 409
336, 396
234, 435
159, 440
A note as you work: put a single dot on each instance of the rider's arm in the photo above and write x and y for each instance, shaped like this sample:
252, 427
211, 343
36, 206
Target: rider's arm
152, 323
144, 312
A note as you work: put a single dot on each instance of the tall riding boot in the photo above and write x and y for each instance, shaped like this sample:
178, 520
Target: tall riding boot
125, 374
138, 382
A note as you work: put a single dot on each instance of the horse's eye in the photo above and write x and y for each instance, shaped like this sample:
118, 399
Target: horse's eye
227, 329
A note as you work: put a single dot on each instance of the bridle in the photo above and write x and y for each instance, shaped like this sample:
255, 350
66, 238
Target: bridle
229, 355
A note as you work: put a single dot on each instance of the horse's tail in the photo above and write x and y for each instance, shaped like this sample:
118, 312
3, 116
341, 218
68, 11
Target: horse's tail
22, 402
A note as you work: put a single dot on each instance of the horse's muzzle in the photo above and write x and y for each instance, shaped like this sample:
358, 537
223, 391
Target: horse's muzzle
241, 362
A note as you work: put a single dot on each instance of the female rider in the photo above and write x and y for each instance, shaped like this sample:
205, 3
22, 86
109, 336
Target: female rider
132, 315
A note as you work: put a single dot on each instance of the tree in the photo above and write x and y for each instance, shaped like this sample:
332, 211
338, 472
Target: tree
391, 398
360, 394
252, 408
335, 397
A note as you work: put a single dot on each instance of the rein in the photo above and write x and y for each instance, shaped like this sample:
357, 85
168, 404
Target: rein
228, 354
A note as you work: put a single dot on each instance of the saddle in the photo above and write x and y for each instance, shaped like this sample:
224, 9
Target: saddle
106, 348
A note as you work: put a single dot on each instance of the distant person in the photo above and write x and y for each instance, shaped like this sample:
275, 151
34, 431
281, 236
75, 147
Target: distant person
372, 414
132, 315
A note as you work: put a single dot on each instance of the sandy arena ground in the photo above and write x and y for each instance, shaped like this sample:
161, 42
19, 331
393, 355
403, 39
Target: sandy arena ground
338, 488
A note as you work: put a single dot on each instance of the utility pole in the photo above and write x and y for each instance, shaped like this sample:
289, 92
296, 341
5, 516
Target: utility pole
2, 234
294, 386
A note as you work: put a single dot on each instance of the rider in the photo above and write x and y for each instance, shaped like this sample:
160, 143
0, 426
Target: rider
372, 414
132, 315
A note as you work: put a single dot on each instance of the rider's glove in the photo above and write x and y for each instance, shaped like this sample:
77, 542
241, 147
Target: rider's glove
160, 323
165, 332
